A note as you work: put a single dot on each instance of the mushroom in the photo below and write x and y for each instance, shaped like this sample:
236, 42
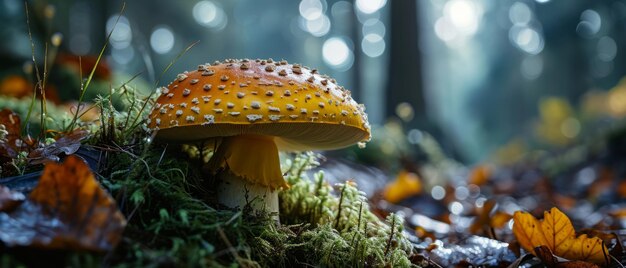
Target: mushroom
250, 110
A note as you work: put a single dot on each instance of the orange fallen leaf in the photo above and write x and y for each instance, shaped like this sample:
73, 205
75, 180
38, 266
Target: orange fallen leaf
67, 210
406, 185
499, 219
479, 175
15, 86
557, 233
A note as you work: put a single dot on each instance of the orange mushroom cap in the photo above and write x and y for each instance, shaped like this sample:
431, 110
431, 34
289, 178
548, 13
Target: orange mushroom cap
300, 108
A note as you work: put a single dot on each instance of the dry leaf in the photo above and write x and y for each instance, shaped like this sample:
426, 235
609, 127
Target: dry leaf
584, 248
67, 143
576, 264
499, 219
546, 256
15, 86
557, 233
551, 261
67, 210
479, 175
481, 222
12, 128
407, 184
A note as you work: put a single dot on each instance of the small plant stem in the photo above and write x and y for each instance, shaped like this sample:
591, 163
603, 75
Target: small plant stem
340, 204
393, 229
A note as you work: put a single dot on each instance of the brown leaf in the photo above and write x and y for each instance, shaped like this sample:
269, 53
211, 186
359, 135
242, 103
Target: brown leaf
545, 255
557, 233
482, 219
13, 127
576, 264
67, 210
67, 144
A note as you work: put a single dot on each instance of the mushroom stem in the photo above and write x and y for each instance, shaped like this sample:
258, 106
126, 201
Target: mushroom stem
237, 192
251, 169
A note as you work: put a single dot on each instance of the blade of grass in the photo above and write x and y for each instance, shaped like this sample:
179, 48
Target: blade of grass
93, 70
108, 96
147, 100
32, 47
156, 83
44, 106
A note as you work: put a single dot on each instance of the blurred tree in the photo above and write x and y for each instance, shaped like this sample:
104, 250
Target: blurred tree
404, 82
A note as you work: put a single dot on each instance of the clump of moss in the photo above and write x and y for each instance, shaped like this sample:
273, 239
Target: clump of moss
172, 221
343, 231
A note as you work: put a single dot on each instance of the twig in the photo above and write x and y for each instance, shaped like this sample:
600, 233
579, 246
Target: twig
230, 246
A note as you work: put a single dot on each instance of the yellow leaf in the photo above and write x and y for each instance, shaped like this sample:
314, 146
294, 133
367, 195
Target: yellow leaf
557, 233
528, 231
407, 184
583, 248
556, 228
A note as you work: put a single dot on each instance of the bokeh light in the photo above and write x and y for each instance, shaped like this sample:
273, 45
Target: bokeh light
121, 35
311, 9
124, 55
209, 14
318, 27
532, 67
162, 40
607, 48
373, 45
438, 192
520, 13
526, 39
461, 19
464, 15
370, 6
590, 23
337, 54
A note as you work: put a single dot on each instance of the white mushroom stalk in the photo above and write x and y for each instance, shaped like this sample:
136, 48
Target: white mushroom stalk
250, 171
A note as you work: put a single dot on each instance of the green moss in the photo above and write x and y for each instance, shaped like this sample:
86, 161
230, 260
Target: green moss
173, 220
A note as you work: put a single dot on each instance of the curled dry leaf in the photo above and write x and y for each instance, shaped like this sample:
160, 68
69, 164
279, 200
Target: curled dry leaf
67, 210
557, 233
67, 143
